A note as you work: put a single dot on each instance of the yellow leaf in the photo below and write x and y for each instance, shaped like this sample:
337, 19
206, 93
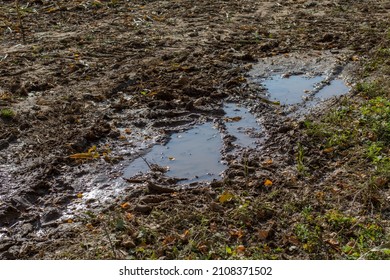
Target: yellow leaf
328, 150
79, 195
268, 183
129, 216
81, 156
355, 58
233, 119
171, 158
90, 226
185, 234
225, 197
69, 221
92, 149
268, 162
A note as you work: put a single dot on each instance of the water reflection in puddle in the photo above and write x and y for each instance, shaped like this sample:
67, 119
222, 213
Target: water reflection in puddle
335, 88
193, 154
242, 125
295, 89
290, 90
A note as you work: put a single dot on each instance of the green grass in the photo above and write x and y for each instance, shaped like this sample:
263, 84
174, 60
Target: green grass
7, 113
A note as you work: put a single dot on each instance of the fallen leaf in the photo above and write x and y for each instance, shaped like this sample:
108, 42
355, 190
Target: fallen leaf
328, 150
333, 242
129, 216
268, 162
203, 248
355, 58
263, 234
171, 158
125, 205
268, 183
236, 233
228, 250
90, 226
225, 197
169, 239
185, 235
79, 195
240, 249
233, 119
128, 131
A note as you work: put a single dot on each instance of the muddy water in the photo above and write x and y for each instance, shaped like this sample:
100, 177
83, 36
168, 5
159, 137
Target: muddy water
334, 88
299, 88
195, 155
241, 124
290, 90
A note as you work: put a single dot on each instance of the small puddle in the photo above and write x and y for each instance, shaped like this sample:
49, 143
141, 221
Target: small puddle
194, 154
297, 89
242, 125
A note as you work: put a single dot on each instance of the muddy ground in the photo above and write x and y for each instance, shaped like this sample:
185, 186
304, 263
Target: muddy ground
91, 84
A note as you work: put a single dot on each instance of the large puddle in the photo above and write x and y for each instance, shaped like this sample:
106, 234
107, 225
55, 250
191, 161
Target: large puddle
195, 155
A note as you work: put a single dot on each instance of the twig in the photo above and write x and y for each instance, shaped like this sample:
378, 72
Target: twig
109, 240
150, 167
20, 21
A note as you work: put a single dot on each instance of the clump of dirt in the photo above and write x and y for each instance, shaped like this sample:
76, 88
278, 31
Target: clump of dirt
87, 86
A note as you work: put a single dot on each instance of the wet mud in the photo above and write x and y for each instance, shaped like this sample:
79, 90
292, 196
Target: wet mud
111, 99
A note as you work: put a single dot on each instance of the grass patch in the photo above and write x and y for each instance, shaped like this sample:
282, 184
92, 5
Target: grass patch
7, 113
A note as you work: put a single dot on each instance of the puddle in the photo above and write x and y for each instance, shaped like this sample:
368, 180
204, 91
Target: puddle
242, 125
336, 87
299, 88
194, 154
289, 91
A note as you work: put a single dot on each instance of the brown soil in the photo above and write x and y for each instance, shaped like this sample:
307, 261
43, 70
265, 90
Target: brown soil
113, 74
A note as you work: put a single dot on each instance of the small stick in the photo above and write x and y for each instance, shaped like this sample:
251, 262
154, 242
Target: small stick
109, 240
20, 21
146, 162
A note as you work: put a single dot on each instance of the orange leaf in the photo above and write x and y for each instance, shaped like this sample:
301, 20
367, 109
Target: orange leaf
268, 183
129, 216
236, 233
263, 234
240, 249
125, 205
268, 162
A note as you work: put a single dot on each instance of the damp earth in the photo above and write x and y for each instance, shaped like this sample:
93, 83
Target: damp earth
174, 130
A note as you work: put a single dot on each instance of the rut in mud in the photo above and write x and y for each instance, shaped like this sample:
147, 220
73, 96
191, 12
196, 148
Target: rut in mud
98, 84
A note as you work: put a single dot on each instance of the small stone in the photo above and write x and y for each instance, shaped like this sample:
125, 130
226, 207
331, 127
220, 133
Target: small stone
292, 248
